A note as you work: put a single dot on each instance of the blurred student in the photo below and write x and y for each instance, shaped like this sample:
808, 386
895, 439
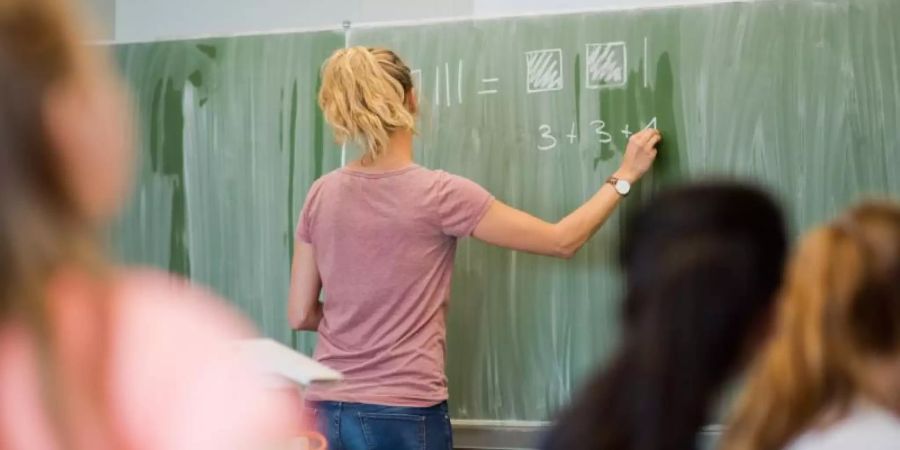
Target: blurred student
830, 376
93, 356
702, 264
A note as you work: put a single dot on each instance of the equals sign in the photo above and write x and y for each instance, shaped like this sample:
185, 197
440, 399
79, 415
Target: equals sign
488, 81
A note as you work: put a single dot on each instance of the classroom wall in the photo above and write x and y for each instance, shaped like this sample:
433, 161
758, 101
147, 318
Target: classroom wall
515, 7
143, 20
103, 14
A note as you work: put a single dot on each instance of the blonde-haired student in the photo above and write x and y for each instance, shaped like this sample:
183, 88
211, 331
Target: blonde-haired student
830, 376
93, 356
379, 236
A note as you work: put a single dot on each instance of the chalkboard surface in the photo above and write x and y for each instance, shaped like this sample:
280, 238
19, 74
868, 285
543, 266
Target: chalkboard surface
802, 96
231, 138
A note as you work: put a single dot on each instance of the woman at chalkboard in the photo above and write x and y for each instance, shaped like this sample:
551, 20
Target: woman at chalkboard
379, 237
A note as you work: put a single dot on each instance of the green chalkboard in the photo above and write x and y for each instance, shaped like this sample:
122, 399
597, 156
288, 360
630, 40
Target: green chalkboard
800, 95
231, 139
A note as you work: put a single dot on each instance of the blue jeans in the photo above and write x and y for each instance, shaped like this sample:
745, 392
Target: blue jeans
359, 426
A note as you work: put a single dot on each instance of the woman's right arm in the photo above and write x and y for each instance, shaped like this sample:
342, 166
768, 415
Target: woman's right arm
508, 227
304, 309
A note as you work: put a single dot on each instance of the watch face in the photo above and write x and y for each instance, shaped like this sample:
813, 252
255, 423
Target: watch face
623, 187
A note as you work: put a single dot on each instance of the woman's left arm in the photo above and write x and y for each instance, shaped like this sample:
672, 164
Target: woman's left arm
304, 309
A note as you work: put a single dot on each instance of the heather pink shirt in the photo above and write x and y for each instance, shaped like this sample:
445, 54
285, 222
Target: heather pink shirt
384, 246
175, 381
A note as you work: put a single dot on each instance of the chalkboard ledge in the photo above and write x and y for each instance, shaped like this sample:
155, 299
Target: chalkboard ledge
515, 435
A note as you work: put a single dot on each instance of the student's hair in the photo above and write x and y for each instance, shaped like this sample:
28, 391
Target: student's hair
364, 97
840, 310
42, 227
702, 264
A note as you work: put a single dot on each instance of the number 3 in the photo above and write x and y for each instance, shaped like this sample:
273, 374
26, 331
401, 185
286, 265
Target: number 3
600, 126
545, 134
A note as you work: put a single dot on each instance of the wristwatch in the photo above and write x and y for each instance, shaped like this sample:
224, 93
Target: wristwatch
623, 187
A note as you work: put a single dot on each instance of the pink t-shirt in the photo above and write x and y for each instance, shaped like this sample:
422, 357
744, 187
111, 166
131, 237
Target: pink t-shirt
175, 380
384, 246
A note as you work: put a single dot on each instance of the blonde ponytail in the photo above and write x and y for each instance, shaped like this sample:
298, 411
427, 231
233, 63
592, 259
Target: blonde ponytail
840, 309
795, 378
364, 97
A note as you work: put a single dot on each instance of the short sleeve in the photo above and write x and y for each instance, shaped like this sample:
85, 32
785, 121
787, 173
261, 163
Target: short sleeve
303, 232
463, 203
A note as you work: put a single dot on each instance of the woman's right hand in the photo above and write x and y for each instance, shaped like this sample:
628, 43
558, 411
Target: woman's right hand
639, 155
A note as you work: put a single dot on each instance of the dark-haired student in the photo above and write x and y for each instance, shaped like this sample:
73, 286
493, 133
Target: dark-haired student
702, 264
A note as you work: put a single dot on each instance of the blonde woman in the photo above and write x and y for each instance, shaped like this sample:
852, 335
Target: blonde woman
92, 356
830, 377
379, 236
